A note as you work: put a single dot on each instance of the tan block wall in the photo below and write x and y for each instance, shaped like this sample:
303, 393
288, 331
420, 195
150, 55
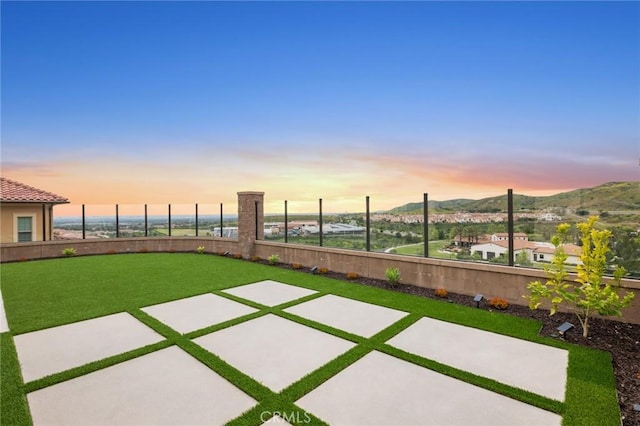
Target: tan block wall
466, 278
50, 249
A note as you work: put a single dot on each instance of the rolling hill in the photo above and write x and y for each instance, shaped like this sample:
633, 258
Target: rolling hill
612, 196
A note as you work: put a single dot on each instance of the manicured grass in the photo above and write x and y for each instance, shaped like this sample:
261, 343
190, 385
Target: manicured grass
53, 292
434, 249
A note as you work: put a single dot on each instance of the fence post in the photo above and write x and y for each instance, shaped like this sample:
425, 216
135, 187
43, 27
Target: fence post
221, 223
320, 222
196, 219
84, 225
117, 223
368, 224
146, 222
256, 216
510, 226
169, 219
425, 222
286, 223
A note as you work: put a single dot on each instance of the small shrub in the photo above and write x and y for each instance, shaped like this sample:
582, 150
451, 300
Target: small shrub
323, 271
23, 259
498, 303
200, 249
70, 251
255, 258
296, 266
221, 253
441, 292
237, 256
143, 250
273, 259
111, 251
393, 276
352, 276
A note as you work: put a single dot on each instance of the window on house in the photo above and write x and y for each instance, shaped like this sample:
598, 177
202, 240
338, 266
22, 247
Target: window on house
25, 229
490, 255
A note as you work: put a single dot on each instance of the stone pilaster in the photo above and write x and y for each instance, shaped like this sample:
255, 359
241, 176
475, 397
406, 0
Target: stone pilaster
248, 231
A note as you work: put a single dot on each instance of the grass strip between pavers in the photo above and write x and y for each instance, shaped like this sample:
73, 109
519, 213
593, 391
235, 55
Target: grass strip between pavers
54, 292
14, 409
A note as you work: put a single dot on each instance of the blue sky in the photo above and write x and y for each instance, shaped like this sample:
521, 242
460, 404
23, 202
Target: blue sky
318, 99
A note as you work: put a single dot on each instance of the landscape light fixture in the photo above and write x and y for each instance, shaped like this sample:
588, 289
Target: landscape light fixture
314, 270
564, 328
478, 299
226, 253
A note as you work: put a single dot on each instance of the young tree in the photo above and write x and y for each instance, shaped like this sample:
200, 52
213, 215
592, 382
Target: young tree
589, 294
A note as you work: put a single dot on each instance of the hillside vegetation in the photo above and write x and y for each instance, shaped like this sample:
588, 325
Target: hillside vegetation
612, 196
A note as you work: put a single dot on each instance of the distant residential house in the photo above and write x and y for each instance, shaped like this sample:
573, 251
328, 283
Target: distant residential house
504, 236
26, 213
535, 251
492, 249
467, 241
546, 254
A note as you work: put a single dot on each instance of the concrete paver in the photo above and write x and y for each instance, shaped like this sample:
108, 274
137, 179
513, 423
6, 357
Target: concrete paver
538, 368
194, 313
56, 349
269, 293
382, 390
167, 387
273, 350
363, 319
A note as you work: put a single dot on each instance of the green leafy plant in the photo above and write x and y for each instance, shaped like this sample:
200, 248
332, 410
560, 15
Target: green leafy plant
274, 259
393, 276
498, 303
590, 293
200, 249
69, 251
352, 276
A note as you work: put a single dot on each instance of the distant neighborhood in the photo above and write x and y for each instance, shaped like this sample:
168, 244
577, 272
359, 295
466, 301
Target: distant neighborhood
463, 217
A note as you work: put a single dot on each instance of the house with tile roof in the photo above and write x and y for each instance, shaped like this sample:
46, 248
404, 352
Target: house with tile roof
26, 213
535, 251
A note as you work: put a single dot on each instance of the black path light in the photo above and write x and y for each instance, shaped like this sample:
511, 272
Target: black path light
478, 299
564, 328
314, 270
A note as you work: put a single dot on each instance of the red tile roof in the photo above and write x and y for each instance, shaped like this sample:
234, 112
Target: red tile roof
16, 192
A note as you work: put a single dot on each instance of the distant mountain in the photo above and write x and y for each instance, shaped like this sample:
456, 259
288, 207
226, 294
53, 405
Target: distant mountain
612, 196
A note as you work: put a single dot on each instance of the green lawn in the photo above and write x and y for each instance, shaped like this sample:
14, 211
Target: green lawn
41, 294
435, 248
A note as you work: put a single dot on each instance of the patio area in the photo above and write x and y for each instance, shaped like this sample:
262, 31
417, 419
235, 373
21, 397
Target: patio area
168, 386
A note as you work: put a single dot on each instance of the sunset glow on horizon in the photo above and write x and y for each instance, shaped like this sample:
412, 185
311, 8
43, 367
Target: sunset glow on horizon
136, 103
